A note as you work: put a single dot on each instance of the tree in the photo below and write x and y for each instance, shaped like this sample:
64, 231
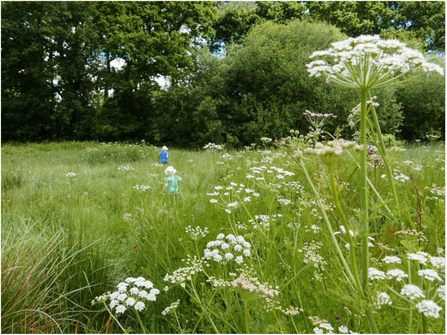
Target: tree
423, 19
27, 89
423, 105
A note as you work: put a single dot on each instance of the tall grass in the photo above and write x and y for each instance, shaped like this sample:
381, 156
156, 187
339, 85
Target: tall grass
67, 240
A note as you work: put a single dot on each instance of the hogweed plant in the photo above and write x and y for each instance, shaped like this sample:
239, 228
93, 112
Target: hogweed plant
366, 63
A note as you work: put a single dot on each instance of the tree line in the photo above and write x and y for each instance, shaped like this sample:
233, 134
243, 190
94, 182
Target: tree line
188, 73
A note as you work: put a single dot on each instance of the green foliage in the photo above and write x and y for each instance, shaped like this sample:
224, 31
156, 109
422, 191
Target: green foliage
59, 81
66, 239
425, 20
422, 115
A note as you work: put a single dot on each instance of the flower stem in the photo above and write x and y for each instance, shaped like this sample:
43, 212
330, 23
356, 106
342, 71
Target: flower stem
140, 322
364, 191
328, 224
382, 151
347, 225
114, 318
247, 324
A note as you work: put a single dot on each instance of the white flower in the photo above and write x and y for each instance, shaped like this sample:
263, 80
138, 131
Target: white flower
229, 256
151, 297
240, 239
438, 262
419, 257
247, 252
142, 294
154, 291
220, 236
71, 174
231, 237
382, 60
239, 259
237, 247
134, 290
120, 309
392, 260
122, 296
412, 291
441, 292
383, 299
318, 330
376, 274
396, 273
225, 246
148, 284
122, 287
429, 308
343, 329
429, 274
114, 303
213, 201
114, 295
139, 306
130, 301
326, 326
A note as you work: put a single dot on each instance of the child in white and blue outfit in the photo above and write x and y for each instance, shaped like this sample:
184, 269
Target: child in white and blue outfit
171, 181
164, 155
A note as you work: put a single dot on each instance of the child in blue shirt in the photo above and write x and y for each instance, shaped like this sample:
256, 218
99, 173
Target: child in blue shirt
171, 181
164, 155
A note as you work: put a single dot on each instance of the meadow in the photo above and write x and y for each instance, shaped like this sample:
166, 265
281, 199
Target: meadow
252, 244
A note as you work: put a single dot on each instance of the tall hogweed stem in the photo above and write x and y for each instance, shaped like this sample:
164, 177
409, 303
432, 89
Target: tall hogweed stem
364, 190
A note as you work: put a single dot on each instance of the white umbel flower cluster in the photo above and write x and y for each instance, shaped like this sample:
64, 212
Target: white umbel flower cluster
132, 293
227, 248
142, 188
382, 299
412, 291
429, 308
379, 61
126, 168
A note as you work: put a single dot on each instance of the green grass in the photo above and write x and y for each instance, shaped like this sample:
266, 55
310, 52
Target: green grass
66, 240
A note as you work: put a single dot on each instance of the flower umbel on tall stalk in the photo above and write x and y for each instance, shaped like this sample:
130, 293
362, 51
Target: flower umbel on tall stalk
365, 63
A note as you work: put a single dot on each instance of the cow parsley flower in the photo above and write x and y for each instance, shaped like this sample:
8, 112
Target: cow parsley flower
429, 274
438, 262
142, 188
420, 257
382, 299
392, 260
170, 308
441, 292
120, 309
125, 168
71, 174
129, 294
412, 291
396, 273
139, 306
231, 247
374, 274
429, 308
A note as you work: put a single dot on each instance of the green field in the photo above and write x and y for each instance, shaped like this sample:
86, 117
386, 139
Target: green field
69, 238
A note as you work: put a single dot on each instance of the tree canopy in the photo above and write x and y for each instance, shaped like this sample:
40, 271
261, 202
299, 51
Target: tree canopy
186, 73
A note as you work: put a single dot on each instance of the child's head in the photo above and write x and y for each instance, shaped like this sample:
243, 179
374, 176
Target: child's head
170, 171
164, 148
